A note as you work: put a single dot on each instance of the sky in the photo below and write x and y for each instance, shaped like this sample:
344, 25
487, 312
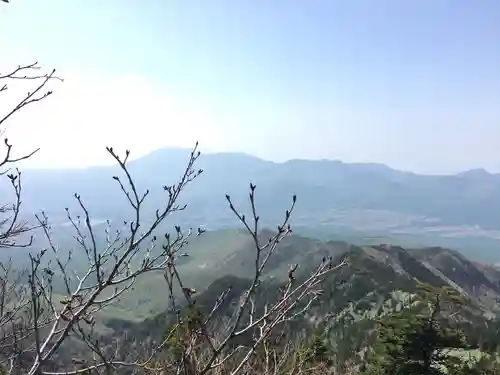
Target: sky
412, 84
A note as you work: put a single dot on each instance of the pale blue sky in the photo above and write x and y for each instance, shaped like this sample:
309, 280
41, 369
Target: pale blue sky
413, 84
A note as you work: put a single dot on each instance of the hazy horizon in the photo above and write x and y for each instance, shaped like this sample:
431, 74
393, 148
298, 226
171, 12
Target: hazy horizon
415, 86
133, 157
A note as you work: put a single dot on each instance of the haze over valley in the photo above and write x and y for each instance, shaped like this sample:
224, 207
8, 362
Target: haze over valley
362, 203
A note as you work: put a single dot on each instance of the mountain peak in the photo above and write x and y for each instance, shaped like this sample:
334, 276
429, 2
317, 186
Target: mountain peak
476, 173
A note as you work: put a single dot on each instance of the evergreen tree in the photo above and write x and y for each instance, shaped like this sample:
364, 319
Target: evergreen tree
416, 340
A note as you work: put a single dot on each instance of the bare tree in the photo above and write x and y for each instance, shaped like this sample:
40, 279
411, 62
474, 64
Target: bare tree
15, 299
131, 253
206, 347
39, 328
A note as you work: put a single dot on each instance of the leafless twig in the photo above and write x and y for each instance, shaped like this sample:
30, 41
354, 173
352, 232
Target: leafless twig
11, 227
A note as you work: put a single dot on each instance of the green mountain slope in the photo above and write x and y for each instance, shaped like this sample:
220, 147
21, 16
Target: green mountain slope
375, 279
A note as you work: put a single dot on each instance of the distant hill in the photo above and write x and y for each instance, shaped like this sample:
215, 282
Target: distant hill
372, 272
376, 278
334, 198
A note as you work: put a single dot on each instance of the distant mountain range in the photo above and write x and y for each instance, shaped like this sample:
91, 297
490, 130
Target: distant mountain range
353, 200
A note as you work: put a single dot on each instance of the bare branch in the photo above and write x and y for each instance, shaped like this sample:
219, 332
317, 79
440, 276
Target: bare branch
113, 269
10, 226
